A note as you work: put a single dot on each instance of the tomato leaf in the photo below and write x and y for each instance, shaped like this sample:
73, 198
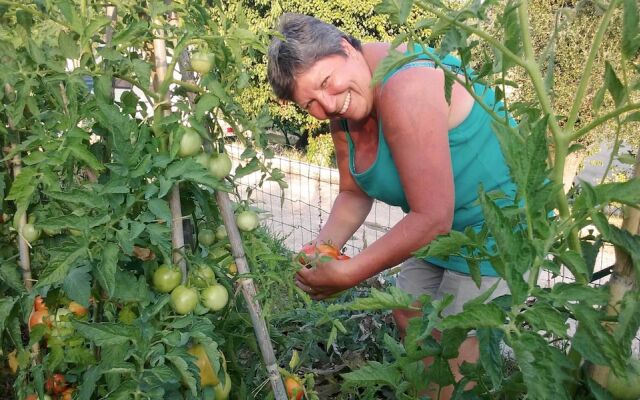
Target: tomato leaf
9, 274
375, 372
77, 285
59, 266
160, 208
107, 333
183, 369
23, 188
393, 298
106, 270
475, 316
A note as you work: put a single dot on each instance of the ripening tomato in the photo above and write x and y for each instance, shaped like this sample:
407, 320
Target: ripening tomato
56, 384
190, 143
77, 309
184, 299
202, 62
326, 249
247, 220
220, 165
38, 304
215, 297
67, 394
166, 278
12, 361
39, 317
208, 376
294, 388
34, 396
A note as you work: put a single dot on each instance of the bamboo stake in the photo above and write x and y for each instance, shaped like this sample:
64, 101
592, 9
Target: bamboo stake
177, 233
237, 250
249, 293
23, 245
623, 277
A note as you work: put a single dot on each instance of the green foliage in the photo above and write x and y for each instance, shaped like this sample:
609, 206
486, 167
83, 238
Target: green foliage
320, 151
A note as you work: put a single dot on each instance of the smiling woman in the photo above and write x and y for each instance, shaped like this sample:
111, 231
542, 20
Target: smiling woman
402, 142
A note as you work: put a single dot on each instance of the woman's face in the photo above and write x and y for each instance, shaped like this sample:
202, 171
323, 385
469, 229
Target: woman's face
336, 87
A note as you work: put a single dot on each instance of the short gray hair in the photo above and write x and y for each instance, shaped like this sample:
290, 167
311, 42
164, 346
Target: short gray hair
306, 40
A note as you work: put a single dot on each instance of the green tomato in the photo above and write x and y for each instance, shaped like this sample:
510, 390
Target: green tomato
220, 165
214, 297
166, 278
184, 299
247, 221
30, 233
202, 62
221, 232
222, 392
207, 237
190, 143
203, 276
203, 159
628, 387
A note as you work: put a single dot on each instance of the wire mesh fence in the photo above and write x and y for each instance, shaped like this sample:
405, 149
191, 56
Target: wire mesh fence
297, 213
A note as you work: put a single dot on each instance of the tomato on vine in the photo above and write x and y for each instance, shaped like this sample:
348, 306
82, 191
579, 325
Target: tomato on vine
202, 62
247, 220
190, 143
166, 278
294, 387
30, 233
215, 297
207, 237
184, 299
56, 384
220, 165
208, 376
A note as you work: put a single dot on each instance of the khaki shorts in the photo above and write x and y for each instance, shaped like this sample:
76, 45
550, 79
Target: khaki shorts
418, 277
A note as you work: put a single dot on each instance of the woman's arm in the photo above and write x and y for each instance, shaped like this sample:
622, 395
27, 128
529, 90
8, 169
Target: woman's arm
351, 206
415, 122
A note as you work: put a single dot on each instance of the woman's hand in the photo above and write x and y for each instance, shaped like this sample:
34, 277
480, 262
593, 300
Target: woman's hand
326, 278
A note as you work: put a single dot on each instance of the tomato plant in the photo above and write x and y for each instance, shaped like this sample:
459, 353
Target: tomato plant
166, 278
77, 309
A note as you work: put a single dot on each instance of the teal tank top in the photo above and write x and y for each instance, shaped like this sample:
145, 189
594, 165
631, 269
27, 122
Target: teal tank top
476, 159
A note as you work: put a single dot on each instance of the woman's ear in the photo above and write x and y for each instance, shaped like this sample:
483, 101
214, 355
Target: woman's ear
347, 47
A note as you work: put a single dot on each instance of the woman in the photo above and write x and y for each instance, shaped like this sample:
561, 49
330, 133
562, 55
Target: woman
399, 142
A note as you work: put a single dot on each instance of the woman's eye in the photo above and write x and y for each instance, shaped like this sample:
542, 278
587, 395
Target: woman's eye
325, 83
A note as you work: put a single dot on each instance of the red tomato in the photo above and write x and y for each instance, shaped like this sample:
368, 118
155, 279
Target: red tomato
77, 309
326, 249
38, 304
39, 317
56, 384
294, 388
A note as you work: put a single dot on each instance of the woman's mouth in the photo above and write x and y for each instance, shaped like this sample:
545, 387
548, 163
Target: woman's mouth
347, 101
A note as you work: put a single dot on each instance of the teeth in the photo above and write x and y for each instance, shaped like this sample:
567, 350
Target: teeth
347, 101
